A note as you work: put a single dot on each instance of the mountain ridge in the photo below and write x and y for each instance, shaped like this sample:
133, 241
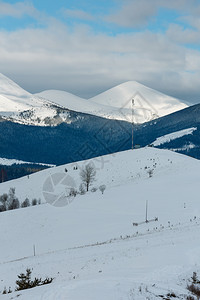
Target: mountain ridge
50, 108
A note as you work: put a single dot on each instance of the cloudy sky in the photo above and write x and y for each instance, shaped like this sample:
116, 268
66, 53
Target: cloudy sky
86, 46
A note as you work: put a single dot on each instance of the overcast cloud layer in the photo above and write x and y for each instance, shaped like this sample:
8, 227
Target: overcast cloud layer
73, 53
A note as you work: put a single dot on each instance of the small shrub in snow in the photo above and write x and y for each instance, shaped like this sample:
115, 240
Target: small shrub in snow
195, 278
82, 189
94, 189
102, 188
47, 280
6, 292
171, 295
25, 203
14, 204
73, 192
24, 281
150, 172
34, 202
194, 289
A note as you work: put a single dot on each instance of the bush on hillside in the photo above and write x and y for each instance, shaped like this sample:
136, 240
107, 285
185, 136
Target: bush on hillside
25, 203
24, 281
34, 202
102, 188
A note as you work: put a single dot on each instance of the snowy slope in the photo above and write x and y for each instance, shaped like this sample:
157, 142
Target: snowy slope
10, 162
11, 89
92, 249
172, 136
111, 170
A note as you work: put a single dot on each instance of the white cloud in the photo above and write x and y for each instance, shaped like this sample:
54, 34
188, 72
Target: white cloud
78, 14
134, 13
183, 36
138, 13
17, 10
85, 63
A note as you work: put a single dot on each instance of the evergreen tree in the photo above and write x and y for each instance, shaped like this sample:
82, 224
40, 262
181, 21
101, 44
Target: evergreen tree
25, 203
24, 280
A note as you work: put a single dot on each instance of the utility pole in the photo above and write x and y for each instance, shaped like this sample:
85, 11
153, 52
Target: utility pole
132, 101
34, 250
146, 211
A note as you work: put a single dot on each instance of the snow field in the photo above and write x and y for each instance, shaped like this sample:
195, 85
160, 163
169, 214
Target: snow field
91, 247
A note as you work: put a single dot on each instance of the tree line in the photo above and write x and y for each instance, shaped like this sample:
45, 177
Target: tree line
10, 201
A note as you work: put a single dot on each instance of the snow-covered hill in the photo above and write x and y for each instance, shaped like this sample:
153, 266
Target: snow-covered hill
52, 107
91, 247
111, 170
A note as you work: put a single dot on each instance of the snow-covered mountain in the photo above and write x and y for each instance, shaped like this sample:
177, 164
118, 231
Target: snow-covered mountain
52, 107
74, 103
148, 104
19, 106
91, 248
116, 103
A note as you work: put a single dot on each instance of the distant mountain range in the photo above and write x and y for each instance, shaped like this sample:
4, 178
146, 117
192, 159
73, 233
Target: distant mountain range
75, 136
50, 108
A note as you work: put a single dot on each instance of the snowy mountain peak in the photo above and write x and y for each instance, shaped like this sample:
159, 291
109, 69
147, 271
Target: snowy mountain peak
148, 104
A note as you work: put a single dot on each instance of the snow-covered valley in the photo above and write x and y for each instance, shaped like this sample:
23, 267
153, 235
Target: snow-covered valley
90, 246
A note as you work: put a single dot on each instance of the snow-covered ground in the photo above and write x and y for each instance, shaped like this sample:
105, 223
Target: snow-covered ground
173, 136
91, 247
45, 108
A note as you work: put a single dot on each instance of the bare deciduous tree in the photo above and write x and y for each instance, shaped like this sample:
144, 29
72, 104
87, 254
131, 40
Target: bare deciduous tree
88, 174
